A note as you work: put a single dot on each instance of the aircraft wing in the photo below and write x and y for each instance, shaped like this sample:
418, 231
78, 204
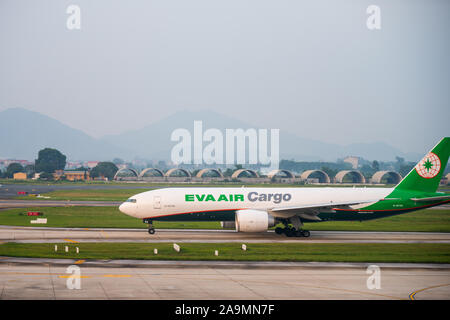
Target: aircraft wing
310, 211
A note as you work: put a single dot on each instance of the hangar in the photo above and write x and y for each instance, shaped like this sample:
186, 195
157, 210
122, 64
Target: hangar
125, 170
276, 172
389, 177
238, 172
170, 172
319, 174
355, 175
149, 170
201, 173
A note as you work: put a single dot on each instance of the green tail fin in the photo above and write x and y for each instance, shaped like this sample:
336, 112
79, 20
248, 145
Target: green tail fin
427, 174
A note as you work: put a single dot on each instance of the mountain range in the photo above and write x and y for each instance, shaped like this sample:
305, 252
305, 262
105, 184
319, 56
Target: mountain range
23, 133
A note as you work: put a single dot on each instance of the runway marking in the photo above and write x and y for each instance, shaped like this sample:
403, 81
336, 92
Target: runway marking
117, 276
104, 235
70, 240
74, 276
80, 261
411, 296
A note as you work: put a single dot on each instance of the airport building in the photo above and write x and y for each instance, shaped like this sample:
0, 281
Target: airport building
72, 175
20, 176
207, 175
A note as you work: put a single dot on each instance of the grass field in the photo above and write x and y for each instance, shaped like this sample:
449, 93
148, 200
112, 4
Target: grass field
88, 195
431, 220
406, 253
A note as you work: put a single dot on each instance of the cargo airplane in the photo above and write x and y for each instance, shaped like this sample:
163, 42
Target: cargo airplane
258, 209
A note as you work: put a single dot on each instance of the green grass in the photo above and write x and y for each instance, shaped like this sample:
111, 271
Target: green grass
88, 195
110, 217
90, 217
406, 253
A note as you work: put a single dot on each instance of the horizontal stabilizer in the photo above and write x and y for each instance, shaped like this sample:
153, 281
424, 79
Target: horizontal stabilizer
446, 197
324, 205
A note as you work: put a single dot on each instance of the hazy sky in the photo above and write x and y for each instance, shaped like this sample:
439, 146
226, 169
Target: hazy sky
310, 67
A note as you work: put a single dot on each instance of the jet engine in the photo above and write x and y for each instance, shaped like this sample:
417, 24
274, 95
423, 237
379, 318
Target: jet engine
253, 221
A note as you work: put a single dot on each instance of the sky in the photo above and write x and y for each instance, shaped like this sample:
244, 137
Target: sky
310, 67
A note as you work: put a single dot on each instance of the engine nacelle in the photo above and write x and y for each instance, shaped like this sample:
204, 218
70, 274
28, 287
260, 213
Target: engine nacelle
253, 221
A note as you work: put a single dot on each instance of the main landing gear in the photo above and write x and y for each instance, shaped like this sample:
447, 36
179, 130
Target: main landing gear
291, 232
151, 230
295, 231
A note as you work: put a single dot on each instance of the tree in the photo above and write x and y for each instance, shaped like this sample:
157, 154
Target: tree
13, 168
46, 176
330, 172
406, 168
29, 169
50, 160
375, 166
118, 161
105, 169
367, 171
228, 172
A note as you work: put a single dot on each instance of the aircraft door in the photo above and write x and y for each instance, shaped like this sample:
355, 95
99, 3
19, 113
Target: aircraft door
156, 202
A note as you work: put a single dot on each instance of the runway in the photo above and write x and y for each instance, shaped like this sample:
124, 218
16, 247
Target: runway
36, 278
28, 278
50, 235
22, 278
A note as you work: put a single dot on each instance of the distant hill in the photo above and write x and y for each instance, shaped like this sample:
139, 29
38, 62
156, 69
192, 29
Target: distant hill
153, 141
23, 133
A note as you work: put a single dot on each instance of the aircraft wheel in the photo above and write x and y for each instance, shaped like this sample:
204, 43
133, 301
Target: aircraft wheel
151, 231
289, 232
306, 233
278, 230
299, 233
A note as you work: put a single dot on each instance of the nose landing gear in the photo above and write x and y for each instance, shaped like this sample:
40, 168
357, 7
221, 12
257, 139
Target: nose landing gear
151, 230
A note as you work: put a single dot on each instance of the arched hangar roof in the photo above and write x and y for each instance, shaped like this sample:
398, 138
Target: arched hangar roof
355, 173
238, 172
324, 176
134, 172
170, 171
203, 171
379, 175
143, 172
273, 173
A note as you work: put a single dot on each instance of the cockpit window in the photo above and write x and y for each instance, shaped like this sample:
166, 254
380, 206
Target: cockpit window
131, 200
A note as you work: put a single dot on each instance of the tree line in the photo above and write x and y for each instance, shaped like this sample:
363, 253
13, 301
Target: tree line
51, 160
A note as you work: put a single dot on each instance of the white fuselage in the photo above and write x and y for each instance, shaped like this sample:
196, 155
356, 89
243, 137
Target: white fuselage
176, 201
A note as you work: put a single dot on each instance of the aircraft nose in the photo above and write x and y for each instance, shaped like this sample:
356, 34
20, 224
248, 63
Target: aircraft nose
127, 208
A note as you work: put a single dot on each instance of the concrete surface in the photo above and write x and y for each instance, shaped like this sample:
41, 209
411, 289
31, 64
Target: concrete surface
45, 235
47, 280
